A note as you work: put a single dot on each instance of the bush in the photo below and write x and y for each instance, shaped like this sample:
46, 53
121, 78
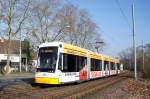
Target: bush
147, 68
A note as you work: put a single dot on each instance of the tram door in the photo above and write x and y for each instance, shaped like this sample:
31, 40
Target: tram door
106, 68
88, 67
83, 73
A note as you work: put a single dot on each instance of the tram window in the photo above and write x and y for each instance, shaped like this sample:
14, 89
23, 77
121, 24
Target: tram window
78, 63
73, 63
105, 65
96, 65
81, 62
60, 62
100, 65
118, 66
112, 66
92, 65
65, 63
69, 63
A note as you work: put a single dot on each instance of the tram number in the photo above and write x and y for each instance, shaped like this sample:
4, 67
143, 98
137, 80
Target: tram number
70, 74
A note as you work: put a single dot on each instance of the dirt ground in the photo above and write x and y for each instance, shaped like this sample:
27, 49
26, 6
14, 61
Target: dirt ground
127, 89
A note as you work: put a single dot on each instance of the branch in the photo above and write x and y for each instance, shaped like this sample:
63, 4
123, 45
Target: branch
36, 36
59, 32
23, 18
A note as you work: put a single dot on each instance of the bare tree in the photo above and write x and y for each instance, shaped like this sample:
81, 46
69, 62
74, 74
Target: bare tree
14, 14
61, 23
66, 23
126, 57
78, 28
87, 29
42, 15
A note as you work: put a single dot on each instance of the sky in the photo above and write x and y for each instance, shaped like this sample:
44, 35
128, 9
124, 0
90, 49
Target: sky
114, 19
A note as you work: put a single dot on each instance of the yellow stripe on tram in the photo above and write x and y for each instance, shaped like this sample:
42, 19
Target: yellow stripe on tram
45, 80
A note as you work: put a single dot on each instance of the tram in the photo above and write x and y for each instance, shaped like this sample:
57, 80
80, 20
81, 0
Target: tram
60, 63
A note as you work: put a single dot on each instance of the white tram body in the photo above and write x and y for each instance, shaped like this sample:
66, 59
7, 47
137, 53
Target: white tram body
60, 63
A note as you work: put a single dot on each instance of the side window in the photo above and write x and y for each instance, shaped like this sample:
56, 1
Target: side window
100, 65
97, 68
111, 66
118, 66
73, 63
105, 65
69, 63
114, 66
65, 61
60, 62
96, 65
92, 64
81, 62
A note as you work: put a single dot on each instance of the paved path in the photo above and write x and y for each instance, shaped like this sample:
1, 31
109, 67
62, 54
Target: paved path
16, 78
16, 75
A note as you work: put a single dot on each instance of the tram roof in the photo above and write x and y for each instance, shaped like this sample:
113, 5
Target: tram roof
46, 44
92, 54
73, 47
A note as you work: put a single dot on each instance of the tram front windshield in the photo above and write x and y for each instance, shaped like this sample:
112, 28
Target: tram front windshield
48, 58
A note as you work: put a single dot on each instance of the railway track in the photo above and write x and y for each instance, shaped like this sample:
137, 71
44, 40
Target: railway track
81, 94
59, 92
79, 91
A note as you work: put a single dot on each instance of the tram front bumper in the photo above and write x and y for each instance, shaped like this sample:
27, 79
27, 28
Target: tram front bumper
45, 80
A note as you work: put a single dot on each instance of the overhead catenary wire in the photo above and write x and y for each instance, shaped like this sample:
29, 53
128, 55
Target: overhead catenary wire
108, 35
123, 14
